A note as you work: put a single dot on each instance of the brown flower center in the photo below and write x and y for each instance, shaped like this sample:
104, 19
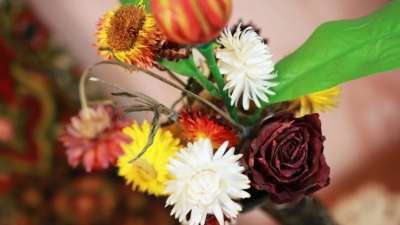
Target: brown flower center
125, 26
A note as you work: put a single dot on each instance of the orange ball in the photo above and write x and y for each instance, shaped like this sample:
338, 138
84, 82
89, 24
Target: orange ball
191, 22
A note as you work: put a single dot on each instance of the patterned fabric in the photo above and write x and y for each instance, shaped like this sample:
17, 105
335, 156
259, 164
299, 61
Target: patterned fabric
64, 199
26, 120
36, 185
28, 100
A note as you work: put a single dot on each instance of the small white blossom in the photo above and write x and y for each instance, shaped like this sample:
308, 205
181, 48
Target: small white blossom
246, 62
206, 183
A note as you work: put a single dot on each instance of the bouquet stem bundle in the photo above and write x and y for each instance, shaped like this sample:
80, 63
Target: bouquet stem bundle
308, 211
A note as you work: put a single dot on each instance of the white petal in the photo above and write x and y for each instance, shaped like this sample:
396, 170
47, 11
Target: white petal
221, 150
219, 214
201, 193
246, 62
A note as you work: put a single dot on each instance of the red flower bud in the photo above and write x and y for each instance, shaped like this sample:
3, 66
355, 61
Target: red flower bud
191, 22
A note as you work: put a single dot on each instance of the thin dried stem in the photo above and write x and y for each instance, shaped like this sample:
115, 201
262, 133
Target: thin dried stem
82, 84
147, 104
180, 99
171, 74
146, 100
155, 124
131, 67
199, 98
189, 93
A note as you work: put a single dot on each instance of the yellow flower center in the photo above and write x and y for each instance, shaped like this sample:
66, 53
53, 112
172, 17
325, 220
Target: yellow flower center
144, 170
125, 26
200, 135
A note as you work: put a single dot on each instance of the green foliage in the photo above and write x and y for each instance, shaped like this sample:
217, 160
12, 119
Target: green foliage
188, 68
185, 67
341, 51
146, 3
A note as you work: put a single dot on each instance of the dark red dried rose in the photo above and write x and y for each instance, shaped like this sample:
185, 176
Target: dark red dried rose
286, 158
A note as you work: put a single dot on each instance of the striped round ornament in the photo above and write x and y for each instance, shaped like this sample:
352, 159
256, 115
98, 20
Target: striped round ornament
191, 22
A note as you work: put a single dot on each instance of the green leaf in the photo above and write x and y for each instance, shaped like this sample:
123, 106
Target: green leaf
341, 51
146, 3
188, 68
185, 67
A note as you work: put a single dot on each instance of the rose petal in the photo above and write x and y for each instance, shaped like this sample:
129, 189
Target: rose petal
286, 158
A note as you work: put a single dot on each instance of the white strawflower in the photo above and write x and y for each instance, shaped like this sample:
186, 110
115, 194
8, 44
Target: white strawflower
205, 183
246, 62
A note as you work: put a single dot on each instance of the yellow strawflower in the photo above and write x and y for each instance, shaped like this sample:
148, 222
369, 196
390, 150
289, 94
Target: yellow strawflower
148, 173
316, 102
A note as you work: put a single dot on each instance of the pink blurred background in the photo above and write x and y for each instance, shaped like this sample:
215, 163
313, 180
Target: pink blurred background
365, 127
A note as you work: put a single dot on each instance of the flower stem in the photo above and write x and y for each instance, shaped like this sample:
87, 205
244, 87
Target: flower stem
170, 73
179, 100
188, 67
189, 93
82, 85
207, 51
82, 90
308, 211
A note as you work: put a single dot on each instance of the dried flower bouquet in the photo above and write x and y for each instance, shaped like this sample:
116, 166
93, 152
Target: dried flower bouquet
246, 131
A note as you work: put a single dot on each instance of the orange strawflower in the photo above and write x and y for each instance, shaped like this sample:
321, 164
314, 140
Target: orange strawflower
129, 34
198, 125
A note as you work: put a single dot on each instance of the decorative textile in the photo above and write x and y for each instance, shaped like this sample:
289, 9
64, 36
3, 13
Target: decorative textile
36, 185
